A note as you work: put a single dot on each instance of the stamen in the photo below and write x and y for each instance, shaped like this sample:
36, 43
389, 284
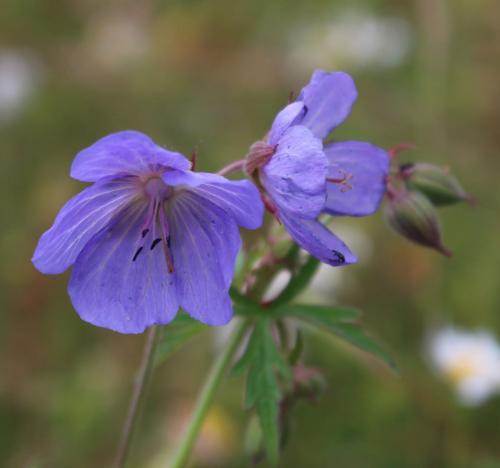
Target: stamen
139, 250
168, 258
166, 239
343, 181
157, 192
149, 218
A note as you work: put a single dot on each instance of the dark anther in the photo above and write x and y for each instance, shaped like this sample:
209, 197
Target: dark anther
139, 250
155, 243
168, 242
145, 233
340, 257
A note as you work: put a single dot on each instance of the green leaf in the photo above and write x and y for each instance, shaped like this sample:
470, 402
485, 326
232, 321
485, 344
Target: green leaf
263, 361
354, 334
178, 332
243, 305
319, 314
298, 282
341, 322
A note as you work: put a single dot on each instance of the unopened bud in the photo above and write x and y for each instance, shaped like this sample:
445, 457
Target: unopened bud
435, 182
413, 216
308, 382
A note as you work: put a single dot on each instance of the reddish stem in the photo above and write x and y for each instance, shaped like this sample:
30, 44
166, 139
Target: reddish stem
235, 166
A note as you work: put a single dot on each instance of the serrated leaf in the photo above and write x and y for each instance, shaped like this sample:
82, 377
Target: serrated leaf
341, 322
355, 335
262, 360
298, 282
178, 332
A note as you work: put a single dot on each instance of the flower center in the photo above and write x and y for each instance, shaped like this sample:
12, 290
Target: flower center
155, 229
155, 188
463, 369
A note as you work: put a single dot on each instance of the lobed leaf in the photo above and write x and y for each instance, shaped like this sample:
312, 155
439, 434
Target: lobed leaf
341, 322
263, 361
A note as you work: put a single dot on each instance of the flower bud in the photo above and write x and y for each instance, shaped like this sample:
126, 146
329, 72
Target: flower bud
413, 216
435, 182
308, 383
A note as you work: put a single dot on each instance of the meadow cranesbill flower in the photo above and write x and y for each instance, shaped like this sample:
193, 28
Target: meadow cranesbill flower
149, 236
301, 178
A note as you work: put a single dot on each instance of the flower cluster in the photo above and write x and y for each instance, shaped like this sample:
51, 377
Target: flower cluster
150, 235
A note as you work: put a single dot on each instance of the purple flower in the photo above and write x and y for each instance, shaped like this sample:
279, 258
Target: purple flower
148, 236
302, 178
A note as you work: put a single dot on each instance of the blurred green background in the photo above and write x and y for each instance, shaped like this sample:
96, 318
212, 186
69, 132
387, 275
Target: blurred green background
211, 75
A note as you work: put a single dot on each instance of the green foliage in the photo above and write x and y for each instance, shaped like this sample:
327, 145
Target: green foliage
297, 350
263, 362
341, 321
177, 333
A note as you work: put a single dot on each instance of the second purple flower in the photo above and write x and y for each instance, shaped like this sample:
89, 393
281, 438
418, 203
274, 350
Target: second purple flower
301, 178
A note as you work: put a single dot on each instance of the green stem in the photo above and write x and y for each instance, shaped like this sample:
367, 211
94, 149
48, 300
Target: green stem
138, 394
205, 398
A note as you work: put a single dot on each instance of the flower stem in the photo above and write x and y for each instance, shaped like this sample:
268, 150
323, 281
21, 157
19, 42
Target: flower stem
138, 394
233, 167
205, 398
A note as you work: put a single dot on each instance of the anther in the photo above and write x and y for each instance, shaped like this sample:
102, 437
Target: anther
145, 233
139, 250
155, 243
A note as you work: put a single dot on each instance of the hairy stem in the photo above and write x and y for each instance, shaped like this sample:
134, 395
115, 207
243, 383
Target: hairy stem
206, 396
235, 166
138, 394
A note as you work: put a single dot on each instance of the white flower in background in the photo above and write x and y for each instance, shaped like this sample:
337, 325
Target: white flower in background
19, 77
468, 360
353, 38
